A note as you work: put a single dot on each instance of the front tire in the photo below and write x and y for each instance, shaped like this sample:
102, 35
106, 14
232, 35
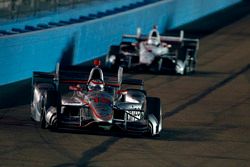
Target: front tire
44, 124
154, 114
49, 98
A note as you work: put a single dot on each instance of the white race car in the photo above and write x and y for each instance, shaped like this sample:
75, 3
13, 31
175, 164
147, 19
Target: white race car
160, 53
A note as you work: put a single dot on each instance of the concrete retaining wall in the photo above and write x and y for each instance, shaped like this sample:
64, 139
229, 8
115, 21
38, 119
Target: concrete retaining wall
66, 13
22, 53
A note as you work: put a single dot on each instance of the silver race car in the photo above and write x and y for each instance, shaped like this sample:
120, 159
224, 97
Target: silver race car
75, 99
158, 53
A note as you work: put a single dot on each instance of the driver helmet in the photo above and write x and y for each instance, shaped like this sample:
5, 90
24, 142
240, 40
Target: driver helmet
96, 85
154, 37
153, 41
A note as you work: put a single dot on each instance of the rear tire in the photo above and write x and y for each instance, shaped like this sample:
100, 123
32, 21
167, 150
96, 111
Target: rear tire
180, 67
192, 65
112, 59
44, 125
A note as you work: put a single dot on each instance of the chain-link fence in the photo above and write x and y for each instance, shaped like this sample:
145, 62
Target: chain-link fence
14, 9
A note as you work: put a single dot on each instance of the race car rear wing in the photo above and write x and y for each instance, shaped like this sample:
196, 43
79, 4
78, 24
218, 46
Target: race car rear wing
42, 77
46, 77
79, 77
168, 39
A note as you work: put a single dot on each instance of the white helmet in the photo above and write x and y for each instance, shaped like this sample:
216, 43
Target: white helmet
95, 85
153, 41
154, 37
96, 79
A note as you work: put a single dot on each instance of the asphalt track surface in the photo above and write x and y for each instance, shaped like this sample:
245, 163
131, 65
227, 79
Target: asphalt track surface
206, 119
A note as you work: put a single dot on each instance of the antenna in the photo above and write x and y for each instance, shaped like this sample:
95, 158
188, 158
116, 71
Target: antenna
138, 32
56, 79
120, 75
57, 71
181, 35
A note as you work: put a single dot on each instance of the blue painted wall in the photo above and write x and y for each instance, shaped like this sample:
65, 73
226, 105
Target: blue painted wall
23, 53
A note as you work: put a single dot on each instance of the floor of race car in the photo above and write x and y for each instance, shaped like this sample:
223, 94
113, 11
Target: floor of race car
206, 118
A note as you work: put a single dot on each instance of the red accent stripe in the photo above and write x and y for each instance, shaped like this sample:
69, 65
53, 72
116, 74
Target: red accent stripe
96, 82
121, 91
85, 102
92, 108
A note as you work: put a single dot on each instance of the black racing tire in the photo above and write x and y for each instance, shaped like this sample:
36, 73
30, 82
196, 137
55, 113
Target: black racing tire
154, 107
113, 51
43, 123
185, 70
193, 65
183, 65
49, 98
191, 51
156, 65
